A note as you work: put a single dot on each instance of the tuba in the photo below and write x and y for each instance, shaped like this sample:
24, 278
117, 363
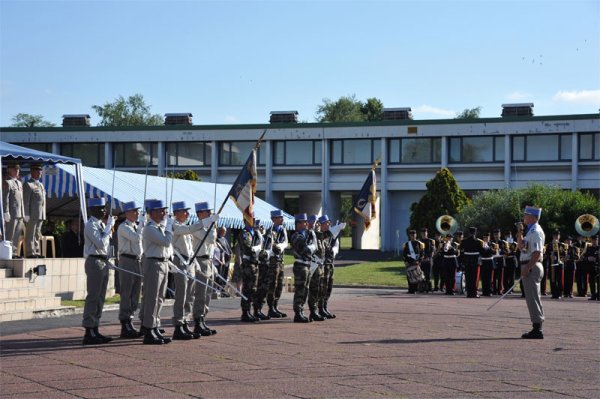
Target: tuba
446, 224
587, 225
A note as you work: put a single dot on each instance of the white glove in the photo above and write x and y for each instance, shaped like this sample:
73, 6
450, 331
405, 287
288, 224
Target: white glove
335, 230
335, 251
26, 219
169, 224
142, 217
206, 222
109, 224
256, 249
312, 247
281, 247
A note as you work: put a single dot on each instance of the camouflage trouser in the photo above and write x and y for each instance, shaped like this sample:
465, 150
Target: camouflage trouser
275, 282
327, 284
262, 286
249, 283
300, 285
315, 287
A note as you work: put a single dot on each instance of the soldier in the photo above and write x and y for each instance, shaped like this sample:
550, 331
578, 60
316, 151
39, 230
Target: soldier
205, 269
97, 239
498, 276
412, 253
471, 248
592, 255
427, 260
250, 241
581, 270
532, 248
34, 199
304, 247
510, 261
277, 235
129, 236
438, 259
487, 265
262, 286
184, 288
156, 246
315, 273
329, 238
450, 253
555, 255
572, 256
14, 208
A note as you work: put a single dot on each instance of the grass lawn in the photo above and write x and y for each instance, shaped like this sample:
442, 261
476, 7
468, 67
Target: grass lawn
383, 273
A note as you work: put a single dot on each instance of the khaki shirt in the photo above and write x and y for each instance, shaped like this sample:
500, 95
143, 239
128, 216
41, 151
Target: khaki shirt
34, 199
209, 244
182, 238
130, 239
156, 241
96, 241
12, 199
533, 241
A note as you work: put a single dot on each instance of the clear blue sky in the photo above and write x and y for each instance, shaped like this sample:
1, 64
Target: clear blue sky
232, 62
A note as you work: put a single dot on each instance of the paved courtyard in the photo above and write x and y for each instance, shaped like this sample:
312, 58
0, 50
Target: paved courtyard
384, 343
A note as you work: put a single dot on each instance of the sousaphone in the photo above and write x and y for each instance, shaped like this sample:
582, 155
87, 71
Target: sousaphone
587, 225
446, 224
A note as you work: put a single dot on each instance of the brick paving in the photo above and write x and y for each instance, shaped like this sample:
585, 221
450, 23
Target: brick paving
384, 343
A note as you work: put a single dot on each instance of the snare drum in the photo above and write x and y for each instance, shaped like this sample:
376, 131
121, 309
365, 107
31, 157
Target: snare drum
414, 274
460, 283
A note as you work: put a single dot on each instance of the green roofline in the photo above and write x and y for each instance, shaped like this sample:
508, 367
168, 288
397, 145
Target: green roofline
306, 124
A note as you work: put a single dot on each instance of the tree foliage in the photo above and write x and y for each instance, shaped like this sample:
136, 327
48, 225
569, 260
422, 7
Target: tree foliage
132, 111
187, 175
443, 197
28, 120
349, 109
503, 208
469, 113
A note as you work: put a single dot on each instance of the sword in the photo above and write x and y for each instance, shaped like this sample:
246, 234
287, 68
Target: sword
175, 269
233, 287
113, 266
505, 294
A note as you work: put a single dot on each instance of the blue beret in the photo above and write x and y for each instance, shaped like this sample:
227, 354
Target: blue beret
179, 206
96, 202
202, 206
276, 213
324, 219
152, 204
533, 211
301, 217
312, 218
129, 206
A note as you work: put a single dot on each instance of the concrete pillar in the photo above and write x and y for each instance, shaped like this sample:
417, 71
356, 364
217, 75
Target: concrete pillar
268, 146
108, 155
162, 161
214, 162
444, 152
383, 195
574, 161
334, 203
507, 161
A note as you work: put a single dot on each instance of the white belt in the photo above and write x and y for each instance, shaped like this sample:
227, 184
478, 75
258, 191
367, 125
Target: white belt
449, 256
472, 253
487, 258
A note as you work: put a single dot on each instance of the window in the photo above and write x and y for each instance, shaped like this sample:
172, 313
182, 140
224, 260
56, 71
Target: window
135, 154
355, 152
415, 150
476, 149
91, 154
541, 148
233, 153
589, 146
189, 154
300, 152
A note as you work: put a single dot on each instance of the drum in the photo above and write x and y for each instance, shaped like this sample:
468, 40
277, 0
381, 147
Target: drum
460, 284
414, 274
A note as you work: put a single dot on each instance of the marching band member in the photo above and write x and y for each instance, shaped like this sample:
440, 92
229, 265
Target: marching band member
487, 265
438, 259
511, 262
581, 269
572, 256
427, 260
499, 263
412, 252
592, 255
450, 253
471, 248
555, 255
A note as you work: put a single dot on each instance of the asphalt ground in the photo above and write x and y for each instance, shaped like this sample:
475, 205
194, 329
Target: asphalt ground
383, 343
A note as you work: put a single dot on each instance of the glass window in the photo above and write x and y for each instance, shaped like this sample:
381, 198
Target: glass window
91, 154
589, 146
279, 153
475, 149
135, 154
302, 152
336, 151
566, 141
454, 144
318, 145
234, 153
394, 155
437, 150
542, 147
518, 148
499, 148
355, 152
597, 146
189, 154
45, 147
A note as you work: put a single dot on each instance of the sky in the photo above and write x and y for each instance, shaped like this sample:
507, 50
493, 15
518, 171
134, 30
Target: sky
233, 62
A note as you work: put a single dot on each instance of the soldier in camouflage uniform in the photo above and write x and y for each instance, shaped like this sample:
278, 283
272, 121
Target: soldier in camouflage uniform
315, 272
304, 247
250, 241
330, 243
263, 269
279, 241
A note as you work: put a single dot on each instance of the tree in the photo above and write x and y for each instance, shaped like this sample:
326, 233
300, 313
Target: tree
28, 120
349, 109
503, 208
132, 111
443, 197
469, 113
187, 175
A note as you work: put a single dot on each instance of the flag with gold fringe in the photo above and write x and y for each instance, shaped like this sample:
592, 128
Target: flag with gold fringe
365, 202
244, 188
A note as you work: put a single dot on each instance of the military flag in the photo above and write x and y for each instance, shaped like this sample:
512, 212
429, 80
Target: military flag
244, 188
365, 203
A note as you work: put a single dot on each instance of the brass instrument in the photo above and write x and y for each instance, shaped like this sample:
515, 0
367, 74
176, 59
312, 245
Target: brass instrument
587, 225
446, 224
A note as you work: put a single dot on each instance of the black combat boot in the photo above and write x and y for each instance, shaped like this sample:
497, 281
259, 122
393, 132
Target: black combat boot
104, 339
200, 327
128, 331
90, 337
180, 334
207, 328
259, 314
326, 312
536, 333
314, 315
248, 318
150, 337
158, 334
277, 309
186, 328
273, 314
299, 316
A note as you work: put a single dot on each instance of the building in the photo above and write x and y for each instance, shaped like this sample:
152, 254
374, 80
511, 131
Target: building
310, 166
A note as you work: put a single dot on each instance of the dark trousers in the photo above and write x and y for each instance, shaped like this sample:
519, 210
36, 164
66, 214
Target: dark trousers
569, 278
594, 282
449, 268
436, 271
426, 268
249, 284
509, 272
543, 283
262, 287
487, 271
498, 276
556, 280
581, 278
471, 274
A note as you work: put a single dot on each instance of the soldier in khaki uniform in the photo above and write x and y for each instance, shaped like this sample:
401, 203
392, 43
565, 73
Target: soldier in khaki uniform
14, 209
34, 199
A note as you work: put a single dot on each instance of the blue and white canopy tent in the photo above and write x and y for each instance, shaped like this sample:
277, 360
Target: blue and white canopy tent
11, 152
61, 188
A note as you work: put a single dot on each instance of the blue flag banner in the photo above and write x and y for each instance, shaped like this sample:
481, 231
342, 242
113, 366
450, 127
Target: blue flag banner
243, 189
365, 203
